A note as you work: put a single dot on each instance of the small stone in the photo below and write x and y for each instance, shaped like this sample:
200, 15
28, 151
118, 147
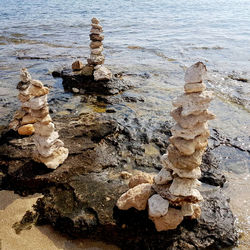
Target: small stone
95, 60
45, 120
136, 197
157, 206
190, 133
169, 221
195, 73
46, 141
95, 20
191, 120
77, 65
95, 31
25, 75
187, 162
26, 130
95, 44
48, 151
97, 26
44, 130
40, 113
194, 103
19, 114
38, 91
87, 70
139, 178
97, 51
37, 83
188, 147
125, 175
194, 87
94, 37
197, 211
75, 90
102, 74
14, 124
163, 177
56, 159
187, 209
28, 119
36, 102
185, 187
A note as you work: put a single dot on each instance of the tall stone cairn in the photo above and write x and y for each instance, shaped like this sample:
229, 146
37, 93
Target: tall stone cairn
173, 193
34, 118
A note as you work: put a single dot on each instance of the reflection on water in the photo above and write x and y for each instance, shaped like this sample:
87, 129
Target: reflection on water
152, 42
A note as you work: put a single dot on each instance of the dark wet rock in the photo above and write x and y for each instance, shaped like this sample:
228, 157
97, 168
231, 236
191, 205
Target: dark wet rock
79, 81
80, 196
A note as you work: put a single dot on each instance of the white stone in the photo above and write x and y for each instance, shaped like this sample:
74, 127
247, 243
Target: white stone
44, 129
194, 87
36, 102
48, 151
102, 74
163, 177
185, 187
75, 90
97, 51
195, 73
46, 141
194, 103
25, 75
189, 133
157, 206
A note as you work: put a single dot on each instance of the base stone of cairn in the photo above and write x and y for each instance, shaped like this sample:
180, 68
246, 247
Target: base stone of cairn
93, 76
174, 192
34, 118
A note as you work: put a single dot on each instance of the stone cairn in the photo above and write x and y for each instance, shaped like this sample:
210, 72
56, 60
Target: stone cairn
96, 59
33, 117
173, 193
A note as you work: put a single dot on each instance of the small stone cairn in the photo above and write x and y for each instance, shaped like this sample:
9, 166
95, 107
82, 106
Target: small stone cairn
172, 193
34, 118
96, 59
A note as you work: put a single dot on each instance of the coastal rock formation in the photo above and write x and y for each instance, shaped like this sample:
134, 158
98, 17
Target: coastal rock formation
176, 185
34, 118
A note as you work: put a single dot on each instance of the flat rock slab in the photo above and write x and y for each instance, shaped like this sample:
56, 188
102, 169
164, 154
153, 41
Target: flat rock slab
87, 84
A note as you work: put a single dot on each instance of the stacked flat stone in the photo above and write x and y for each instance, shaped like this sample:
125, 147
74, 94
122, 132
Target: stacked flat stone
33, 95
173, 193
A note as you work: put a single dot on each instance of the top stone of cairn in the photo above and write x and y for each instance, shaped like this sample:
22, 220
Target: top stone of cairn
95, 20
195, 73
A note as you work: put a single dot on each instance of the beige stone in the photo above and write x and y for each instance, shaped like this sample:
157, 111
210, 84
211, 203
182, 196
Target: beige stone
126, 175
102, 74
197, 211
169, 221
195, 73
46, 141
48, 151
37, 83
36, 102
96, 60
26, 130
77, 65
56, 159
44, 130
45, 120
95, 37
95, 44
95, 20
189, 133
187, 209
163, 177
24, 98
187, 162
136, 197
87, 70
28, 119
157, 206
14, 124
37, 91
191, 120
25, 75
188, 147
95, 31
185, 187
97, 26
97, 51
139, 178
194, 87
40, 113
19, 114
194, 103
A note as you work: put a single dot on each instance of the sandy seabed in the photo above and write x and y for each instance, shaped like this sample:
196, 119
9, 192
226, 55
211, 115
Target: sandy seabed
12, 209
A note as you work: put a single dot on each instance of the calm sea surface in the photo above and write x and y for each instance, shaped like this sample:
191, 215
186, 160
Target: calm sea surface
160, 38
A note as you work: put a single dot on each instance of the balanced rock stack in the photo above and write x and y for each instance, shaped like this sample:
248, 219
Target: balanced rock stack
173, 193
96, 57
34, 118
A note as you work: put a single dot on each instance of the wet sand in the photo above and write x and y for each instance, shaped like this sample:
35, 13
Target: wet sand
12, 209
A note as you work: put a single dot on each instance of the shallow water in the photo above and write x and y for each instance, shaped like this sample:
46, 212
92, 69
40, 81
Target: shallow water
160, 38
